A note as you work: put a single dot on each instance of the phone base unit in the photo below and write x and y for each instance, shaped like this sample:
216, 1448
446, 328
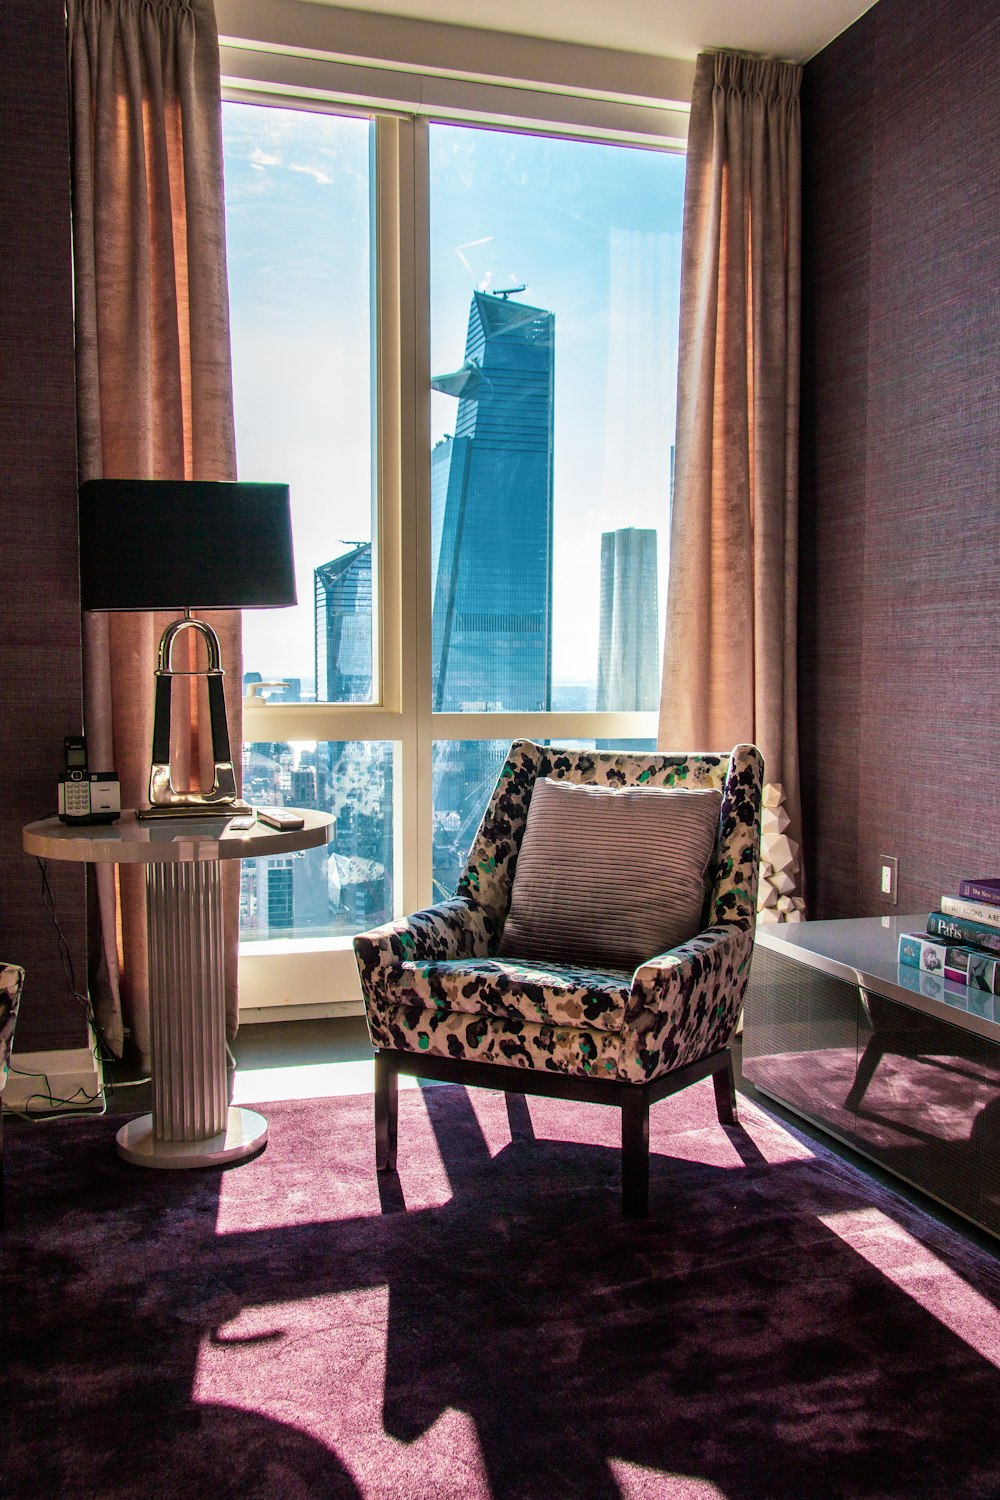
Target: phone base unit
90, 797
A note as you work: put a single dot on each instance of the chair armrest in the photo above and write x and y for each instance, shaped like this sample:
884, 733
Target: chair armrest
453, 929
685, 1004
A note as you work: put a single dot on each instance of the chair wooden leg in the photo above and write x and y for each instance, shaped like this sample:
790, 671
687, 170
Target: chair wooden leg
635, 1155
386, 1114
725, 1092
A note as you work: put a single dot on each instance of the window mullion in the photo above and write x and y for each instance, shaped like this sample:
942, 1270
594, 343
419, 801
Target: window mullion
405, 447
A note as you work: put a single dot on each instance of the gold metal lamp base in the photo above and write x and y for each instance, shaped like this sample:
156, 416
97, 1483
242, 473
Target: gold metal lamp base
165, 801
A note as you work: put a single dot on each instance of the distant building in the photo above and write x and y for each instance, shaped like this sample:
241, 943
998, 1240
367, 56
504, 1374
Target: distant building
343, 625
491, 554
491, 515
304, 789
628, 653
353, 780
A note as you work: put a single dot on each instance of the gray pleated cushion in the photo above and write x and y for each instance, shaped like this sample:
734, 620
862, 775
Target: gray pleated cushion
610, 877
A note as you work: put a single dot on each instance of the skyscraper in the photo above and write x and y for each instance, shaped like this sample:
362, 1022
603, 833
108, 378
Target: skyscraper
491, 553
343, 624
492, 515
628, 659
354, 779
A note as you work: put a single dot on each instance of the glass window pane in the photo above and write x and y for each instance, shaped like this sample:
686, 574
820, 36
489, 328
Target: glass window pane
346, 887
298, 193
464, 774
555, 270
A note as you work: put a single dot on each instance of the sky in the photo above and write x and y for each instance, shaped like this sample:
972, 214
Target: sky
593, 232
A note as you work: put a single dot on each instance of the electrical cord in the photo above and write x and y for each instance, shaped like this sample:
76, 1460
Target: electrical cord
65, 957
54, 1107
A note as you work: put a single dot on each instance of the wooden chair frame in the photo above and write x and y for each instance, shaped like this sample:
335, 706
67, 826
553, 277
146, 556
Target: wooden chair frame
632, 1099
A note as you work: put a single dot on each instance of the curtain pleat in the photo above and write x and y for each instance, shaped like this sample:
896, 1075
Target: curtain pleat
729, 668
154, 394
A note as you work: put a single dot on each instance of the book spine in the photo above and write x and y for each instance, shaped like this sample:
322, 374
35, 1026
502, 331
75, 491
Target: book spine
980, 890
971, 911
961, 930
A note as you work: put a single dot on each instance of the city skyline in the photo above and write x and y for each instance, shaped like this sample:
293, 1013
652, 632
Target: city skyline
594, 232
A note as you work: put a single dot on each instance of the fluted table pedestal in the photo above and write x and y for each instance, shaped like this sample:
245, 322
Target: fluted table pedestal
192, 1123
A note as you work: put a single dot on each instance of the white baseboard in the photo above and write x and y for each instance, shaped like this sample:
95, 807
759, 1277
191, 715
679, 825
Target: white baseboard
69, 1078
319, 1011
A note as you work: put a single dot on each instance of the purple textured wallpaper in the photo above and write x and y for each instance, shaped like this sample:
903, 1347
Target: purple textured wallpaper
40, 670
900, 569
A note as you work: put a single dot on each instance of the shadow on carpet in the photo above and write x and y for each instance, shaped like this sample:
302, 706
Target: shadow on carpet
485, 1324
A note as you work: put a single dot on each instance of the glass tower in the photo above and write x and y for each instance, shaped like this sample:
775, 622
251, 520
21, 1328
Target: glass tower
343, 624
492, 515
491, 555
628, 647
628, 652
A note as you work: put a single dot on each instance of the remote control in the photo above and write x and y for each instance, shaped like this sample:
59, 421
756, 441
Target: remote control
243, 823
282, 818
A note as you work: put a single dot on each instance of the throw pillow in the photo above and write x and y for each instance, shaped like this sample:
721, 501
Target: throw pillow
609, 877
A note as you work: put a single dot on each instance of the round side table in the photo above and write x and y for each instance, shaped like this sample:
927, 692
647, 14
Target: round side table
192, 1123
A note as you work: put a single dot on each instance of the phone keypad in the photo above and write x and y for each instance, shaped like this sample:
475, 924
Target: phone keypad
77, 798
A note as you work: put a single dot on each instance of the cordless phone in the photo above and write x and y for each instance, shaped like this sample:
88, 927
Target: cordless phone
86, 796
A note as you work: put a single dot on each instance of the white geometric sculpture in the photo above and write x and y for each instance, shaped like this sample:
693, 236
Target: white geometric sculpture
777, 900
774, 820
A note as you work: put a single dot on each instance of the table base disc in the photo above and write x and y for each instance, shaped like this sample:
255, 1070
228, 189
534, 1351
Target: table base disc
245, 1133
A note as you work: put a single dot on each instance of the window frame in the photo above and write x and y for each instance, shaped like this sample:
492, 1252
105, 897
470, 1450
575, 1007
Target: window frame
293, 978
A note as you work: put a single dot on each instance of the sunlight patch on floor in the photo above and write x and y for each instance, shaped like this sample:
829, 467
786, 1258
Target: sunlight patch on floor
317, 1080
312, 1367
636, 1482
919, 1273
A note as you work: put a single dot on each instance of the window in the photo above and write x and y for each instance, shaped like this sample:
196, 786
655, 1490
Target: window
473, 405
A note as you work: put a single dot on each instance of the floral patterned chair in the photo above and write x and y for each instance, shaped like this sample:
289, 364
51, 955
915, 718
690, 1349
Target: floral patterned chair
442, 1004
11, 980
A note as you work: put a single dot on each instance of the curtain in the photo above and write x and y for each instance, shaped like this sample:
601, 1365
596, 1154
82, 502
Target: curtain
154, 395
729, 666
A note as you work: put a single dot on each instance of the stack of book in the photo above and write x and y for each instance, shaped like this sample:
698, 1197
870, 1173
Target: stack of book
962, 941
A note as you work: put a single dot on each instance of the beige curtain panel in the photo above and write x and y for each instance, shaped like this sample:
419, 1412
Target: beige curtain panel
154, 391
729, 666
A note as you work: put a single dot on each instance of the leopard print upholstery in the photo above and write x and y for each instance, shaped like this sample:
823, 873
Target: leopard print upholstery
433, 983
11, 980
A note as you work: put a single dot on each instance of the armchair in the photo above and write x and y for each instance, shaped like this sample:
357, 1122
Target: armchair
442, 1003
11, 980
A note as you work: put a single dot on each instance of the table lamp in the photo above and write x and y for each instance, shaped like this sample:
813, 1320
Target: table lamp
150, 544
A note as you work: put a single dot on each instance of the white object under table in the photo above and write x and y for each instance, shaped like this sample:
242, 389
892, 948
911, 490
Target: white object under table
192, 1123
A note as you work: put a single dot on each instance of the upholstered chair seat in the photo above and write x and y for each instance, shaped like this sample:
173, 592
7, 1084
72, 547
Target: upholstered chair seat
483, 988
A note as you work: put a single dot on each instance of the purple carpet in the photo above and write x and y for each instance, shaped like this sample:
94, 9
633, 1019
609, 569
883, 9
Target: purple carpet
488, 1325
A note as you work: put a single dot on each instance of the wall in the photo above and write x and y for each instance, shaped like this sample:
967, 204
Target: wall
40, 670
900, 552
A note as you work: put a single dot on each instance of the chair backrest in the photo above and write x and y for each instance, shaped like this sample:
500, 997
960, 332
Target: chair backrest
737, 774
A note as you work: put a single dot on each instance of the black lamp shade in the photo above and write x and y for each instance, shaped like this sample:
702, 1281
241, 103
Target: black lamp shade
185, 544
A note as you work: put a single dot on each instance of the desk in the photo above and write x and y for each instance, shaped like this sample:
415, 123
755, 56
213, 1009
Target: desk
192, 1123
901, 1065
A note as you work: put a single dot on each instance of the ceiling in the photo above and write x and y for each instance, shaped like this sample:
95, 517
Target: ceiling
791, 29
